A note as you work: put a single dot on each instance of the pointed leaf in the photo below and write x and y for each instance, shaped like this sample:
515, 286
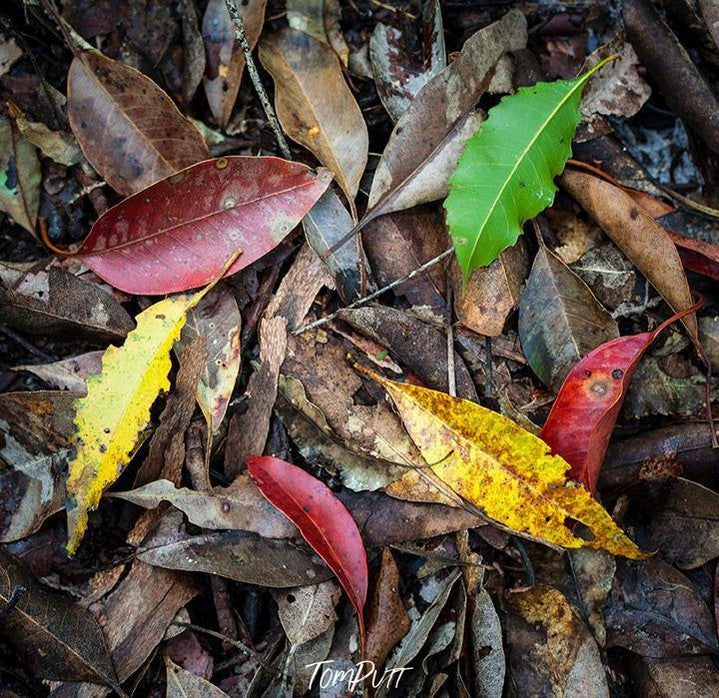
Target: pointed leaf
506, 173
322, 520
117, 407
502, 469
128, 128
184, 684
178, 233
586, 409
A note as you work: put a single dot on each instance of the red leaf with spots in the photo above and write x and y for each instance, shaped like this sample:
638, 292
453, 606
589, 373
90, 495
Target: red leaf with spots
178, 233
584, 414
322, 520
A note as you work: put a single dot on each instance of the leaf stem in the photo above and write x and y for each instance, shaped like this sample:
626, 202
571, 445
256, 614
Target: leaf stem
241, 36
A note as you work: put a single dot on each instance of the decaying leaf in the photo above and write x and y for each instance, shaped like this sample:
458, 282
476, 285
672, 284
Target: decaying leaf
560, 320
68, 374
307, 612
128, 128
502, 469
315, 106
184, 684
487, 651
62, 639
321, 20
150, 243
20, 168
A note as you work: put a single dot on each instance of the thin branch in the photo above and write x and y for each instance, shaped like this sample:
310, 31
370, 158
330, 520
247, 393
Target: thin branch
366, 299
241, 36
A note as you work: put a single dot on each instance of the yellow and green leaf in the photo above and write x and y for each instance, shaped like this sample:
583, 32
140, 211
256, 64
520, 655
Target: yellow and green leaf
503, 470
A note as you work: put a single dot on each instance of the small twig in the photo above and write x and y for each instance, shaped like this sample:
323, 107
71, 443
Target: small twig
225, 638
13, 601
241, 36
366, 299
527, 565
488, 358
28, 346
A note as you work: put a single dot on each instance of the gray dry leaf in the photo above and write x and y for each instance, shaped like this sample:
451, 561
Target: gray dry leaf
492, 292
487, 651
35, 432
62, 639
549, 649
129, 130
216, 318
307, 612
315, 106
20, 195
68, 374
560, 320
321, 20
193, 50
9, 53
406, 55
709, 336
592, 575
685, 528
225, 60
428, 139
184, 684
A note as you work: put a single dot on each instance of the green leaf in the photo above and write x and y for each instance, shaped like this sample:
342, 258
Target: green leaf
506, 174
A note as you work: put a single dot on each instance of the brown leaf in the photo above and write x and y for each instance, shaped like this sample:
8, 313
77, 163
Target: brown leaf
62, 639
492, 292
315, 106
321, 20
127, 127
655, 611
689, 677
423, 149
68, 374
225, 60
49, 302
636, 233
560, 320
193, 51
387, 619
184, 684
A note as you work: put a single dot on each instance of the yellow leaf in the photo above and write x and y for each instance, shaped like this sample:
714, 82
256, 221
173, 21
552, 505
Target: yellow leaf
117, 407
506, 472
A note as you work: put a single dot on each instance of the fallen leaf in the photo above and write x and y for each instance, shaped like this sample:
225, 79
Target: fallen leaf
488, 659
560, 320
307, 612
655, 611
117, 407
550, 651
492, 292
68, 374
217, 319
710, 13
387, 619
636, 233
586, 409
35, 435
430, 136
592, 574
709, 336
505, 175
62, 639
697, 255
193, 56
9, 53
150, 243
225, 59
186, 650
691, 677
321, 20
406, 54
315, 106
184, 684
46, 303
322, 520
20, 187
502, 469
128, 128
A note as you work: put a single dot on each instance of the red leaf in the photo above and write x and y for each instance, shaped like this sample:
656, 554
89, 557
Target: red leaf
584, 414
322, 520
178, 233
697, 256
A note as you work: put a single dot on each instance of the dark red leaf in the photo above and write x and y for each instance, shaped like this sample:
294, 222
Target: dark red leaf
178, 233
322, 520
583, 415
697, 256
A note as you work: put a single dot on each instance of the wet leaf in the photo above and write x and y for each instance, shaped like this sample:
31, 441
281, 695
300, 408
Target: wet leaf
184, 684
47, 302
150, 243
128, 128
19, 176
502, 469
62, 639
315, 106
426, 142
505, 175
406, 54
560, 320
322, 520
586, 409
225, 60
